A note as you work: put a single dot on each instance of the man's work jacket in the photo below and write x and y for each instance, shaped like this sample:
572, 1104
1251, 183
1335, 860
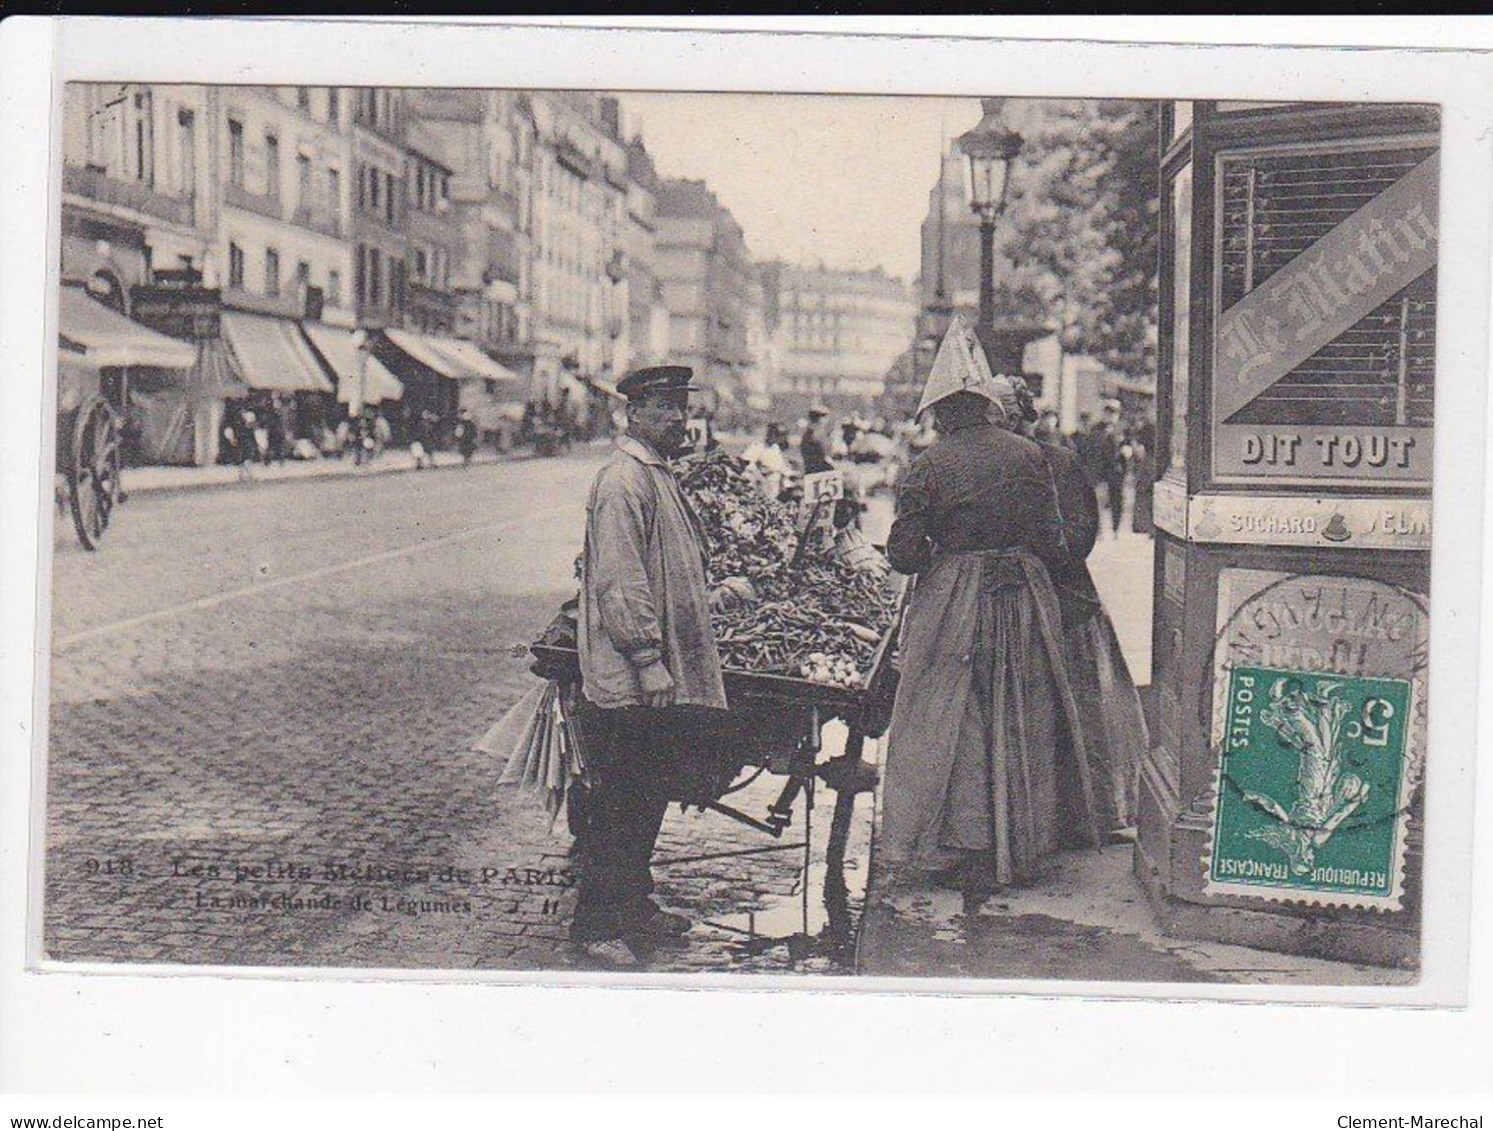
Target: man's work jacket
644, 594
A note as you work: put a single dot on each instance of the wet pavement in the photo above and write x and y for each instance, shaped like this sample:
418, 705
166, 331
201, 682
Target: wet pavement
1085, 919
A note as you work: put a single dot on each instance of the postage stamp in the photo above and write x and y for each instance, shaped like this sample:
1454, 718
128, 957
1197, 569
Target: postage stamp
1311, 798
1318, 724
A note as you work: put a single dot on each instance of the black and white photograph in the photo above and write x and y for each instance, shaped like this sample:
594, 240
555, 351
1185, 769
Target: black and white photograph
960, 537
523, 529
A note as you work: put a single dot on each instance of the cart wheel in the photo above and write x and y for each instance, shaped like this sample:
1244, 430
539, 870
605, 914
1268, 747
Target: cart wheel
93, 476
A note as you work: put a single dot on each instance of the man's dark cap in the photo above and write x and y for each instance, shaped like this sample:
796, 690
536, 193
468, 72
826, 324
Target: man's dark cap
658, 379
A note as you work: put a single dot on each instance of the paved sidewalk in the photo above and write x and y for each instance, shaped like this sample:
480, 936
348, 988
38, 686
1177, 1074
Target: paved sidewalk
1086, 918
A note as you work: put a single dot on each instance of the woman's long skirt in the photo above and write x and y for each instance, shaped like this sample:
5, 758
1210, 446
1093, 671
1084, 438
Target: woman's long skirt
1114, 726
985, 754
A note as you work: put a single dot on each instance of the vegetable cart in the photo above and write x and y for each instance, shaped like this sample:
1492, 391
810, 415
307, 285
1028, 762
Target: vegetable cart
773, 726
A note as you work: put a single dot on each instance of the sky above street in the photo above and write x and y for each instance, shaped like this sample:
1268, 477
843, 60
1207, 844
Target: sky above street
838, 178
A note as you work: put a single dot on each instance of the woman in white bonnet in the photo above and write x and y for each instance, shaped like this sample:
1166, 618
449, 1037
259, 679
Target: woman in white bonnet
985, 772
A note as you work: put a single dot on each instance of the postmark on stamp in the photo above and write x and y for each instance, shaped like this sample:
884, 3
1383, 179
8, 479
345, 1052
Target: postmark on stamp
1310, 796
1318, 724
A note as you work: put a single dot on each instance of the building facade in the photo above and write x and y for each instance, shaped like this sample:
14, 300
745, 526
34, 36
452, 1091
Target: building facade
283, 162
838, 332
434, 243
486, 140
136, 183
579, 216
381, 248
707, 280
647, 314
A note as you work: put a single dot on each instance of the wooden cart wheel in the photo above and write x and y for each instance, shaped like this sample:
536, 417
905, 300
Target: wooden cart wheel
93, 474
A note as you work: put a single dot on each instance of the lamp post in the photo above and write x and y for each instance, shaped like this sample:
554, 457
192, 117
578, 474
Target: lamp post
360, 342
991, 150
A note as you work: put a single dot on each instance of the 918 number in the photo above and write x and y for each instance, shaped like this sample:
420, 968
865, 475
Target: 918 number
114, 866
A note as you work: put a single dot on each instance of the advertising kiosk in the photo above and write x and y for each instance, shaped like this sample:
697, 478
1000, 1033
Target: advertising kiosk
1280, 803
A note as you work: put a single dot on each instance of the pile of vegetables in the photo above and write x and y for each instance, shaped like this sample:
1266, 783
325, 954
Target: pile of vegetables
818, 620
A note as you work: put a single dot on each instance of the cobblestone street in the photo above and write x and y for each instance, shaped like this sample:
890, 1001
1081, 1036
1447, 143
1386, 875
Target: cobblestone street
266, 694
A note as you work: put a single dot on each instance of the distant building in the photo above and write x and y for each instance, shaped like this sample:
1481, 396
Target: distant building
950, 267
647, 314
434, 243
579, 167
839, 331
485, 138
381, 248
707, 280
764, 374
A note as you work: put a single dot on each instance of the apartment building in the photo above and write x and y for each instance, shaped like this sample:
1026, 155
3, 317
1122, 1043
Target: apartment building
579, 170
380, 246
707, 280
647, 314
839, 331
485, 139
282, 164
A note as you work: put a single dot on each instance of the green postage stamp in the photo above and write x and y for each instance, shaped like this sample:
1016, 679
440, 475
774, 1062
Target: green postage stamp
1313, 789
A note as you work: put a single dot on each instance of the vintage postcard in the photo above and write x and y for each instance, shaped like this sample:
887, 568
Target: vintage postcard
945, 540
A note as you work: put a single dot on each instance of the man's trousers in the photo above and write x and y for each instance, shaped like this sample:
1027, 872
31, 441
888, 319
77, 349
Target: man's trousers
632, 753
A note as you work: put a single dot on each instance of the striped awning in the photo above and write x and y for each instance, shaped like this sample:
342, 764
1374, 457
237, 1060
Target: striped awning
340, 353
270, 353
107, 338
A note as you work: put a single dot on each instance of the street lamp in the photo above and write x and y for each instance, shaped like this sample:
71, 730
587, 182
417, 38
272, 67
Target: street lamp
991, 150
360, 341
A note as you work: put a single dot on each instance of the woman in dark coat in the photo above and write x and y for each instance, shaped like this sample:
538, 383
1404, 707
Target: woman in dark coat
985, 772
1114, 728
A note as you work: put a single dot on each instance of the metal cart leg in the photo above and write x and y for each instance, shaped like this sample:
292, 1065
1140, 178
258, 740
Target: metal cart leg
839, 929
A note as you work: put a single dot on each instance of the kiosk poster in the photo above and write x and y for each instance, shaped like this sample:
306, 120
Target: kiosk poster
1325, 355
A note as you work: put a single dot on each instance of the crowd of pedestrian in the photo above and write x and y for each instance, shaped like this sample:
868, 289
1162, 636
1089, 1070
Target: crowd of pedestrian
1117, 454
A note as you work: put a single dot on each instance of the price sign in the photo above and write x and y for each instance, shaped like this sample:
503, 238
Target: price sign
698, 431
816, 511
823, 486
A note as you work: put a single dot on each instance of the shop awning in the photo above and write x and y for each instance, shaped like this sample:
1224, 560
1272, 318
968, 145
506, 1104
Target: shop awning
270, 353
428, 353
341, 356
472, 357
107, 338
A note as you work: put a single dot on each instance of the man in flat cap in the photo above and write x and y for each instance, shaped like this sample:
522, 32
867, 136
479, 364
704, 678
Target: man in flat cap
648, 658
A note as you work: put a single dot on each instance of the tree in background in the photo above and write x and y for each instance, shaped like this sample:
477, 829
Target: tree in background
1076, 247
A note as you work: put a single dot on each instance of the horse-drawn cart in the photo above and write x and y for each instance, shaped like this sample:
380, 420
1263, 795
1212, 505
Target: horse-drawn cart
99, 351
89, 446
